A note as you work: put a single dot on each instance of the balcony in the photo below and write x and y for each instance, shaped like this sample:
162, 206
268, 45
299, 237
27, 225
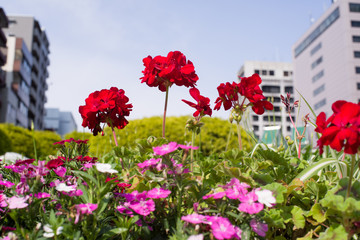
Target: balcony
32, 109
33, 93
22, 118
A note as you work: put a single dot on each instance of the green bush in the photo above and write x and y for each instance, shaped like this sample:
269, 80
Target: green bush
216, 135
5, 143
20, 139
45, 143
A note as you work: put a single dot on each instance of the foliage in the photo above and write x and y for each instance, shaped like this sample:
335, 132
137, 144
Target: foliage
5, 143
216, 135
44, 143
20, 138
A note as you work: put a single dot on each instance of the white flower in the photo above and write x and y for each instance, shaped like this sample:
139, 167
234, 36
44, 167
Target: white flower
62, 187
105, 168
196, 237
49, 233
265, 197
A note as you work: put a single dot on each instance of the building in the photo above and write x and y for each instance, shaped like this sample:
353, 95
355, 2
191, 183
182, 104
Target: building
4, 22
58, 121
35, 38
327, 58
15, 97
277, 79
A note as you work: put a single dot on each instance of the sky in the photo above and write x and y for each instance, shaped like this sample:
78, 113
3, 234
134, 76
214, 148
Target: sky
98, 44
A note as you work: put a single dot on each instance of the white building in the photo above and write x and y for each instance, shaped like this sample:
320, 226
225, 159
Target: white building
277, 80
327, 58
58, 121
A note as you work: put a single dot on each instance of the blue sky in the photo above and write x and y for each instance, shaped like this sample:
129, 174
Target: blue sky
99, 44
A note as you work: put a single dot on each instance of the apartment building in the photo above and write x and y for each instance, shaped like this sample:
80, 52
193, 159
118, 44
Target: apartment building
4, 22
15, 95
327, 58
29, 30
277, 79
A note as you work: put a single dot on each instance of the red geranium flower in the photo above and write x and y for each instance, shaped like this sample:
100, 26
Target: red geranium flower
163, 72
105, 106
228, 94
341, 130
203, 103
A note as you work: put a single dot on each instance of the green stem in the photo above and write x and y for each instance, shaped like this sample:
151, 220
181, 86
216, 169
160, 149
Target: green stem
192, 150
351, 175
239, 136
165, 108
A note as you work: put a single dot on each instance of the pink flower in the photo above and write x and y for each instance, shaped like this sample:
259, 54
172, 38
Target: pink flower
60, 171
221, 228
125, 209
3, 199
188, 147
42, 195
158, 193
194, 218
166, 148
17, 202
7, 184
217, 195
84, 209
249, 205
143, 207
258, 227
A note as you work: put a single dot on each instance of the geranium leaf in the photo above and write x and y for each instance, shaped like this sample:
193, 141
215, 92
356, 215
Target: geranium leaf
298, 217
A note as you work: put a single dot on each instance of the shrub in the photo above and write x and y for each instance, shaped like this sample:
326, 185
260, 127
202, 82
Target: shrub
44, 143
5, 143
20, 139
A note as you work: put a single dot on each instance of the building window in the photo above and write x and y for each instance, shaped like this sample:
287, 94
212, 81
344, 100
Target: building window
354, 7
289, 90
276, 109
319, 90
276, 99
317, 31
271, 72
315, 49
255, 118
356, 54
256, 127
317, 62
320, 104
318, 76
356, 38
257, 71
288, 128
286, 73
358, 86
263, 72
271, 89
357, 70
272, 118
355, 23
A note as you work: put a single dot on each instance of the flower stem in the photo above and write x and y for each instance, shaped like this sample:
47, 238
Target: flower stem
192, 150
297, 135
239, 136
114, 134
351, 175
165, 108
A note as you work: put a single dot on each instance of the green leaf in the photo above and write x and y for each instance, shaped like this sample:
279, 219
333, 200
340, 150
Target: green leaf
317, 213
334, 233
315, 168
113, 232
87, 177
298, 217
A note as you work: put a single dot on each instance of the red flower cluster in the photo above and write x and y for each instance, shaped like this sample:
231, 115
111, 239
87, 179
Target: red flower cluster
163, 72
341, 129
249, 88
62, 142
105, 106
203, 103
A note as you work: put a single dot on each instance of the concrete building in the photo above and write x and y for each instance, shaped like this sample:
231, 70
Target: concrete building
15, 97
277, 79
327, 58
4, 22
35, 38
58, 121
